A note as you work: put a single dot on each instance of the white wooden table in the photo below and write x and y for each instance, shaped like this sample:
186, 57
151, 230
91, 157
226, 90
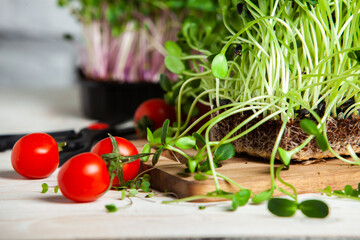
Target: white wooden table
26, 213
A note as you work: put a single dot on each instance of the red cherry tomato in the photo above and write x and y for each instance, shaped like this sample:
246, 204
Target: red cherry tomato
152, 113
126, 148
35, 155
84, 177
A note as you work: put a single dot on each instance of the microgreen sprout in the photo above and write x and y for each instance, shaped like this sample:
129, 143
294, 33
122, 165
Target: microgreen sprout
111, 208
284, 207
347, 192
45, 188
123, 40
287, 61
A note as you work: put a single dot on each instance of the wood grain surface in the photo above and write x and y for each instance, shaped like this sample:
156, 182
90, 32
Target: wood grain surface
252, 173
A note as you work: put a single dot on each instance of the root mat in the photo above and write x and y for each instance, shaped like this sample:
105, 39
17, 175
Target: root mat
252, 173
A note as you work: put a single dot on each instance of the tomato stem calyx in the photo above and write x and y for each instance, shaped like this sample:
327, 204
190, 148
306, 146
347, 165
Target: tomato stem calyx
61, 145
116, 160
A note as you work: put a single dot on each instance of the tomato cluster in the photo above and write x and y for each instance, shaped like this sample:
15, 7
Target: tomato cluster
152, 114
84, 177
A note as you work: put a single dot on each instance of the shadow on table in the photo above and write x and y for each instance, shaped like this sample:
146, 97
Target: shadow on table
55, 199
8, 174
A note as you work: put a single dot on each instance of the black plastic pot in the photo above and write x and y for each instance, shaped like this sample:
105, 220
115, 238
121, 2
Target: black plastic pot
109, 100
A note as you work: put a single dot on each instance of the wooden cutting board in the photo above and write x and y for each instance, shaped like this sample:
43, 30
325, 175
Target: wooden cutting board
252, 173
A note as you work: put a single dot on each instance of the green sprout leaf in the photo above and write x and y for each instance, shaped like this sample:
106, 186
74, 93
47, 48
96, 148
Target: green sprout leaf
199, 138
327, 191
348, 190
133, 192
186, 142
145, 186
146, 177
219, 66
165, 83
314, 208
309, 127
192, 164
149, 135
202, 207
156, 156
263, 196
150, 195
164, 131
111, 207
123, 194
45, 187
285, 156
224, 4
146, 149
322, 142
174, 64
339, 192
56, 189
282, 207
224, 152
173, 48
200, 177
240, 198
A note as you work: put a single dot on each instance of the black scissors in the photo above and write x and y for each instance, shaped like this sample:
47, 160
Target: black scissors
78, 142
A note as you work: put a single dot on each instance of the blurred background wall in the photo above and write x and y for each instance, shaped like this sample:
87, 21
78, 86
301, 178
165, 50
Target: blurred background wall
33, 52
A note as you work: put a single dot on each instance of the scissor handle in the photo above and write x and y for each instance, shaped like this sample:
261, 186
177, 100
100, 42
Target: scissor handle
7, 141
88, 136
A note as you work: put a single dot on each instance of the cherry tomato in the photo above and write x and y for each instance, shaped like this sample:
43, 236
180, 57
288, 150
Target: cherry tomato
35, 155
152, 114
84, 177
126, 148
